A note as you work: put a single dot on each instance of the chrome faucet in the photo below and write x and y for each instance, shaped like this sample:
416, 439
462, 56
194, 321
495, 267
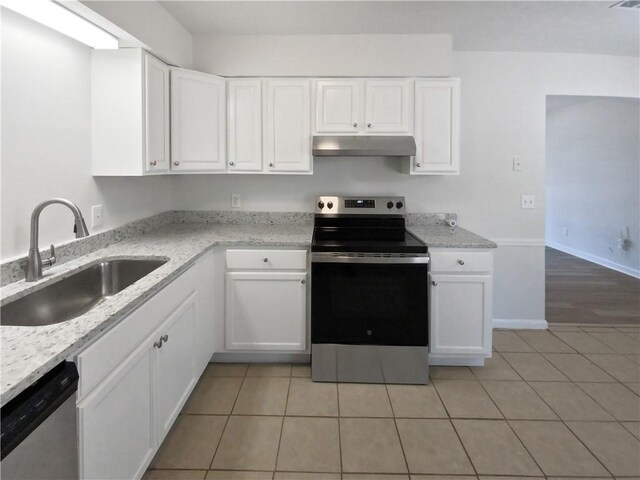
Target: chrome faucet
35, 262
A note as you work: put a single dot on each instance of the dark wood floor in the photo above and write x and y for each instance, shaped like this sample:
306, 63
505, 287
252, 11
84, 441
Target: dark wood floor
578, 291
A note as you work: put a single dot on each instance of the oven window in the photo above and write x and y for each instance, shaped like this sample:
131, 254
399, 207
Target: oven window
369, 304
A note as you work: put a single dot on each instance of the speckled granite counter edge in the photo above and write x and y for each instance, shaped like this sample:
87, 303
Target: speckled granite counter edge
13, 270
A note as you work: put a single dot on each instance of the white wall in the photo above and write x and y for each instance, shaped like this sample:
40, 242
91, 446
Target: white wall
503, 115
46, 141
150, 24
324, 55
593, 178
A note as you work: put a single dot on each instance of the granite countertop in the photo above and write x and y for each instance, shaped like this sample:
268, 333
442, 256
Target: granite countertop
29, 352
444, 236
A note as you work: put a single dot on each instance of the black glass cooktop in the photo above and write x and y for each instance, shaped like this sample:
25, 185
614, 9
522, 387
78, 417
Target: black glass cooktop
370, 234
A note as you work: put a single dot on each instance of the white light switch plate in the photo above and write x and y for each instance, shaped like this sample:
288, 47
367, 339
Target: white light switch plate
528, 201
236, 200
96, 216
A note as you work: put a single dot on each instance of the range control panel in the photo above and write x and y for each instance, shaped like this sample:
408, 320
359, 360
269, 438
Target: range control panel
327, 204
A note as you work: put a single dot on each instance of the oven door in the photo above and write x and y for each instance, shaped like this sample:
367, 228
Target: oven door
369, 301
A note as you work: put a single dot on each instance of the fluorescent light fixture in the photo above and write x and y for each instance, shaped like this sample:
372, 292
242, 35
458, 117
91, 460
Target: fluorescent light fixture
64, 21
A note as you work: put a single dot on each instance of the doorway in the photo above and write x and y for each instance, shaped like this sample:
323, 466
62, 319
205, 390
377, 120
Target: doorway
592, 230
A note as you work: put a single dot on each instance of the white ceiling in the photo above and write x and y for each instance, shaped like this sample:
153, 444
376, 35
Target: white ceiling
549, 26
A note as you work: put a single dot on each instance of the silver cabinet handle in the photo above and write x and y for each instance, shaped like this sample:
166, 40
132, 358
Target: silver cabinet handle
435, 284
158, 344
271, 164
265, 259
355, 124
418, 164
231, 163
303, 281
368, 125
176, 163
165, 338
460, 262
153, 163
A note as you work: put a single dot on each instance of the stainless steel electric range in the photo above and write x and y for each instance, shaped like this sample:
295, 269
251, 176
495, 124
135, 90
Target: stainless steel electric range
369, 305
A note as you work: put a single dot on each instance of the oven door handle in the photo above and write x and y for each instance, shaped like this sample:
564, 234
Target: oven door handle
330, 257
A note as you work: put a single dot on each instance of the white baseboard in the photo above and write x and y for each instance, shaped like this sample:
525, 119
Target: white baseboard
520, 323
595, 259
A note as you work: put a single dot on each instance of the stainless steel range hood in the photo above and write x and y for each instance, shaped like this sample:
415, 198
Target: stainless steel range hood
364, 146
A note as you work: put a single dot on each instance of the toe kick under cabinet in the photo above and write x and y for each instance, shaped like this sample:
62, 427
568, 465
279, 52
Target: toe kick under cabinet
460, 306
266, 300
136, 377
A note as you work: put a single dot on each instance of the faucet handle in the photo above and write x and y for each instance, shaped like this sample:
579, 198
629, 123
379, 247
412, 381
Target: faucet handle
47, 262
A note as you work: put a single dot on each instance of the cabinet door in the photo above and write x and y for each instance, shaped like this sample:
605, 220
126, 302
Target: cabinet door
437, 127
156, 114
115, 422
245, 125
265, 311
460, 314
174, 364
288, 126
338, 106
388, 106
198, 119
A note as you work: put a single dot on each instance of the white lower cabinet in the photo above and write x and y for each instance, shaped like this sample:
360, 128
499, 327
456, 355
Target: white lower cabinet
266, 300
174, 371
460, 307
115, 421
126, 408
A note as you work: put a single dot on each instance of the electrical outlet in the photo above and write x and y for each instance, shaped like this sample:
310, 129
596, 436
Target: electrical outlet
96, 216
528, 201
517, 164
565, 231
236, 200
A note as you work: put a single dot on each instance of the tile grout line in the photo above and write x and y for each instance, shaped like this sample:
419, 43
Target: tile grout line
395, 423
224, 429
575, 383
286, 403
616, 380
564, 422
339, 430
559, 417
508, 421
455, 430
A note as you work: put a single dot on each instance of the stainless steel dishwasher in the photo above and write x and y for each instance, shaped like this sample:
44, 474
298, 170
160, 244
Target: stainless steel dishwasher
39, 432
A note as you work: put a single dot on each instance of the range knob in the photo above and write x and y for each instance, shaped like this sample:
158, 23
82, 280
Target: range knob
320, 204
399, 204
329, 205
389, 204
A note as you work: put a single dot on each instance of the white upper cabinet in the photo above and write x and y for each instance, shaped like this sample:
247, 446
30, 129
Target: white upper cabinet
245, 125
387, 106
130, 113
198, 122
338, 106
437, 127
287, 143
157, 114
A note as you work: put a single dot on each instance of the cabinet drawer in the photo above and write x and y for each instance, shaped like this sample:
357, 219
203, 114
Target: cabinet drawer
461, 261
267, 259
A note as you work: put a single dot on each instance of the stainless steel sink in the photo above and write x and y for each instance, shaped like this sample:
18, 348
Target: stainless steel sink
76, 294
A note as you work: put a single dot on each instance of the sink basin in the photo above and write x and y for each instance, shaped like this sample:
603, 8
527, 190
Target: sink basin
76, 294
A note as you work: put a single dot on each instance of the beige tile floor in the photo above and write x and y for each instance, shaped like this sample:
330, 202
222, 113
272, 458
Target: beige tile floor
562, 403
